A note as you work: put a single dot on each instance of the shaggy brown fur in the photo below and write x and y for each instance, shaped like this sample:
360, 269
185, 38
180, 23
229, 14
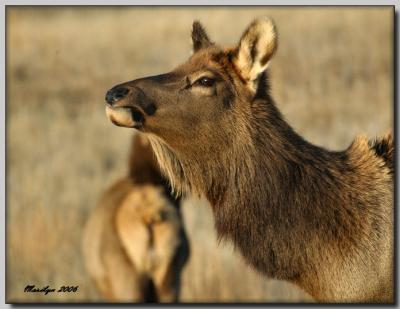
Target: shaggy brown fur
321, 219
134, 243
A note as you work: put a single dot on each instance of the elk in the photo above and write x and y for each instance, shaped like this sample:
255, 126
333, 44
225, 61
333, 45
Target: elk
134, 243
320, 219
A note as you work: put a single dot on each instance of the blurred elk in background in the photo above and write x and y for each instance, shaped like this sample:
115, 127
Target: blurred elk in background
134, 243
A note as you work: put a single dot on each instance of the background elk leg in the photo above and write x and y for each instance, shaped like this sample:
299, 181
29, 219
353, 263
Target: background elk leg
166, 279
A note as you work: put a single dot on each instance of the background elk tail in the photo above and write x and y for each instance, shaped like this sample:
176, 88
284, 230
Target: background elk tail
384, 148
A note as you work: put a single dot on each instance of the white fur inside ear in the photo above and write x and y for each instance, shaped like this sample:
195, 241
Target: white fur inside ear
256, 47
191, 47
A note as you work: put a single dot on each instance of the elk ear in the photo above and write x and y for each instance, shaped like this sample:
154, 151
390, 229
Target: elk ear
199, 37
256, 48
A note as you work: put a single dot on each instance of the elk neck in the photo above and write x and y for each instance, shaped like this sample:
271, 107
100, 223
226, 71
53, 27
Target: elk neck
276, 196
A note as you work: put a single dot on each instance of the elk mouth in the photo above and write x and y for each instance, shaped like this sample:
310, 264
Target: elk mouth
125, 116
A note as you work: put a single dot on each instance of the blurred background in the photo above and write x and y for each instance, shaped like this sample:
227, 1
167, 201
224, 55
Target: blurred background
332, 78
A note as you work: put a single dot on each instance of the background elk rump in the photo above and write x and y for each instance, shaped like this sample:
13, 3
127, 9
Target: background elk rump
134, 243
318, 218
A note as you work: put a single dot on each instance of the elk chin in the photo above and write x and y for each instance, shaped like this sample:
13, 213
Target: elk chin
125, 117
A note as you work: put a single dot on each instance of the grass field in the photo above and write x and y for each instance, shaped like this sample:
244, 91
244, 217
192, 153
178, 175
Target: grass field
331, 78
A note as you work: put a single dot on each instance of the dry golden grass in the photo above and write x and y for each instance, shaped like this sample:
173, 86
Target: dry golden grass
331, 77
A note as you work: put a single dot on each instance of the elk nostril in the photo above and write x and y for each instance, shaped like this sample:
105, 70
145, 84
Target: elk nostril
115, 95
120, 93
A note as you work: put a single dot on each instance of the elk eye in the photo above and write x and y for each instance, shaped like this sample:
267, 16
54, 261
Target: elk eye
205, 81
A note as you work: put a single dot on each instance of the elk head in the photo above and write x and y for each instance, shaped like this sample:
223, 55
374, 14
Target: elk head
202, 106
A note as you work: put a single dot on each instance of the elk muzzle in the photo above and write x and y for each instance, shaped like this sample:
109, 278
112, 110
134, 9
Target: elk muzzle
128, 106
